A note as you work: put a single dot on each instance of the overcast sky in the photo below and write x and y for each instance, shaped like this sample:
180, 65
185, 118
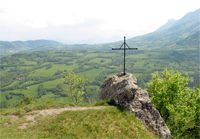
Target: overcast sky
87, 21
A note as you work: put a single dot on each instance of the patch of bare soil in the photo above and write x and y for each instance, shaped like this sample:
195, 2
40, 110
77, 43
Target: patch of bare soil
13, 117
30, 116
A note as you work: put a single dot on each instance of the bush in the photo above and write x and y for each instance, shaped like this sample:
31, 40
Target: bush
101, 103
25, 101
76, 88
177, 104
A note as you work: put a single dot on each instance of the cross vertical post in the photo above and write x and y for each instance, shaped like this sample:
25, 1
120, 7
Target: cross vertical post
124, 44
124, 53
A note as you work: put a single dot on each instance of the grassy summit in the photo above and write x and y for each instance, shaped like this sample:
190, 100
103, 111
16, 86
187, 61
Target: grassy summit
108, 122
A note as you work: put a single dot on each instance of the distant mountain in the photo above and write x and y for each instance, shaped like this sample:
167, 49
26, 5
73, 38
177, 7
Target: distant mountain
190, 41
167, 25
28, 44
175, 34
8, 48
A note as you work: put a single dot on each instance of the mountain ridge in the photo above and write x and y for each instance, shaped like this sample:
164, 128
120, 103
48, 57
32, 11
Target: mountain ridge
169, 23
181, 29
29, 43
8, 48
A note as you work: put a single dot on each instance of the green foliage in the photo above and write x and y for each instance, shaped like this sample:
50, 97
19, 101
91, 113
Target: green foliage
105, 102
177, 104
58, 72
101, 103
76, 87
111, 102
197, 85
25, 101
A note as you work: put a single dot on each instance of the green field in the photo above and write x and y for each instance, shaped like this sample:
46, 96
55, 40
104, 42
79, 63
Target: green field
91, 74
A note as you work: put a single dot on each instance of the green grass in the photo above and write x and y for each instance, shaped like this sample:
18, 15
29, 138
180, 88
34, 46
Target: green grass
53, 84
91, 55
49, 72
22, 60
31, 91
5, 72
80, 54
151, 65
29, 82
10, 102
136, 74
139, 64
137, 56
71, 67
109, 75
109, 54
91, 74
98, 60
52, 97
27, 62
110, 122
25, 67
13, 83
57, 67
4, 63
42, 72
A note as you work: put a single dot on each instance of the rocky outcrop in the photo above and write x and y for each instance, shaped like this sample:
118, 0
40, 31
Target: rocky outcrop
123, 89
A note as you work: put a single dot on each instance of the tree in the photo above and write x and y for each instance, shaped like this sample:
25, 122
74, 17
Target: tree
76, 87
58, 72
197, 85
177, 104
59, 86
40, 88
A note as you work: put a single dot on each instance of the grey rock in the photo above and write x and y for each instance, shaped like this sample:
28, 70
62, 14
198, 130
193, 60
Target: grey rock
123, 90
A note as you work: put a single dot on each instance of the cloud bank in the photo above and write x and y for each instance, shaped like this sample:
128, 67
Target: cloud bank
87, 21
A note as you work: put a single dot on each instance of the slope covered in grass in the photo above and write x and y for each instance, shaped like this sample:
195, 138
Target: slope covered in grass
108, 122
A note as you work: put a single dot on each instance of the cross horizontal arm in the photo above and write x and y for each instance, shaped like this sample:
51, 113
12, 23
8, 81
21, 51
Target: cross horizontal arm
125, 48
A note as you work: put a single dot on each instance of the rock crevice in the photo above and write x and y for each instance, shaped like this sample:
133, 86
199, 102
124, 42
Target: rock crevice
123, 90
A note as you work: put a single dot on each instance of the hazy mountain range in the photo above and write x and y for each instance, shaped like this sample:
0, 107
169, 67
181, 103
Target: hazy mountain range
175, 34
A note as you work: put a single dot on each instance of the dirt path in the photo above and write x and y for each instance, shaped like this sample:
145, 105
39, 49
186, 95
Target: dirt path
57, 111
30, 116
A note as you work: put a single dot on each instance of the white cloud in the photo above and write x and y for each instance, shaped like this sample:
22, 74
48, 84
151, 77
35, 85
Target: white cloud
80, 20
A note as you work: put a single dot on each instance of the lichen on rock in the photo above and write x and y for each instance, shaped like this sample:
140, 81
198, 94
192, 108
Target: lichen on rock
123, 90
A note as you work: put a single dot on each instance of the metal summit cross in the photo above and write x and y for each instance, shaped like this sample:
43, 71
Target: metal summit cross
124, 44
